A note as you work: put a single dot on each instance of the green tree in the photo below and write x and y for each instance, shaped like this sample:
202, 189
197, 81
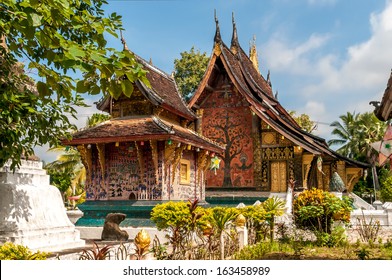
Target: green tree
303, 121
189, 70
345, 132
67, 171
354, 134
96, 118
60, 178
60, 40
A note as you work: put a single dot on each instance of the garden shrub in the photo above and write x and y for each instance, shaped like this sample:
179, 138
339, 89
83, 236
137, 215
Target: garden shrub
255, 222
336, 238
182, 220
316, 210
386, 189
274, 207
11, 251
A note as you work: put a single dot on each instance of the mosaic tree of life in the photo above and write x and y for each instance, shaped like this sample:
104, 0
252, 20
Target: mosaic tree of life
230, 126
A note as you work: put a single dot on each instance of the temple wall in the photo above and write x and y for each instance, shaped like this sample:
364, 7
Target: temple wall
138, 171
227, 120
129, 173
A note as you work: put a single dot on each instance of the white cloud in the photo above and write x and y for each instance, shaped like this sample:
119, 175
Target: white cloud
293, 59
335, 84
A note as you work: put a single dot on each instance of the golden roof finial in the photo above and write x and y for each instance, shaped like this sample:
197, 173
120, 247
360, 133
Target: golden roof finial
253, 54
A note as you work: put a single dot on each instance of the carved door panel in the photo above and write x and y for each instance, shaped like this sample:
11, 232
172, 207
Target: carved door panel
279, 176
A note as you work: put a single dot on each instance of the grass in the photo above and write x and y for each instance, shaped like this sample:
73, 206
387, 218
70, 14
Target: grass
308, 251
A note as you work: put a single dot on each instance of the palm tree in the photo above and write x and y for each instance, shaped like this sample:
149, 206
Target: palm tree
69, 161
355, 133
346, 134
274, 207
371, 130
222, 219
69, 158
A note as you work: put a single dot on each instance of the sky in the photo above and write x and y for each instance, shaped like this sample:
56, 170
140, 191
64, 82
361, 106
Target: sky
326, 57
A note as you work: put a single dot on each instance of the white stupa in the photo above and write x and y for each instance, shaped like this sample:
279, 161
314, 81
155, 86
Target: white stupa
32, 212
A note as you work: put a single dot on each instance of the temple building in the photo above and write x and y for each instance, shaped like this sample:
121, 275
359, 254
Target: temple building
232, 135
265, 147
146, 150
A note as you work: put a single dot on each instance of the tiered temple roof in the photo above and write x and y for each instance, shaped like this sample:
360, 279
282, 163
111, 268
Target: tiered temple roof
258, 93
162, 93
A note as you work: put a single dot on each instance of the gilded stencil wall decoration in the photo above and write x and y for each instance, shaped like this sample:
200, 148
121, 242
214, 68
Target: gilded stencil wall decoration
291, 169
264, 174
277, 153
268, 138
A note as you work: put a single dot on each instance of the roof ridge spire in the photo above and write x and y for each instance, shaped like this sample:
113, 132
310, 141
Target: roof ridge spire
253, 56
123, 42
234, 38
217, 37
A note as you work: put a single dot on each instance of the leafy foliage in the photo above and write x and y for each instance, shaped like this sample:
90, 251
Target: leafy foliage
96, 119
61, 40
386, 187
182, 220
189, 70
96, 253
274, 206
256, 217
11, 251
304, 121
316, 210
354, 133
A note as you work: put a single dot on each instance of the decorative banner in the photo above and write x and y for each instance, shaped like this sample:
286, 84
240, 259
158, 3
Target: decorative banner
384, 147
215, 162
320, 165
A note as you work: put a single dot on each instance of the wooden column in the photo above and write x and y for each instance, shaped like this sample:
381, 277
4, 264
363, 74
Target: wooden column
306, 162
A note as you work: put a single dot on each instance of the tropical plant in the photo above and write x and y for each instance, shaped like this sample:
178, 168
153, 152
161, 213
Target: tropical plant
345, 131
60, 179
67, 165
11, 251
189, 70
183, 222
96, 253
96, 119
274, 207
222, 219
57, 37
385, 185
316, 210
354, 134
256, 217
